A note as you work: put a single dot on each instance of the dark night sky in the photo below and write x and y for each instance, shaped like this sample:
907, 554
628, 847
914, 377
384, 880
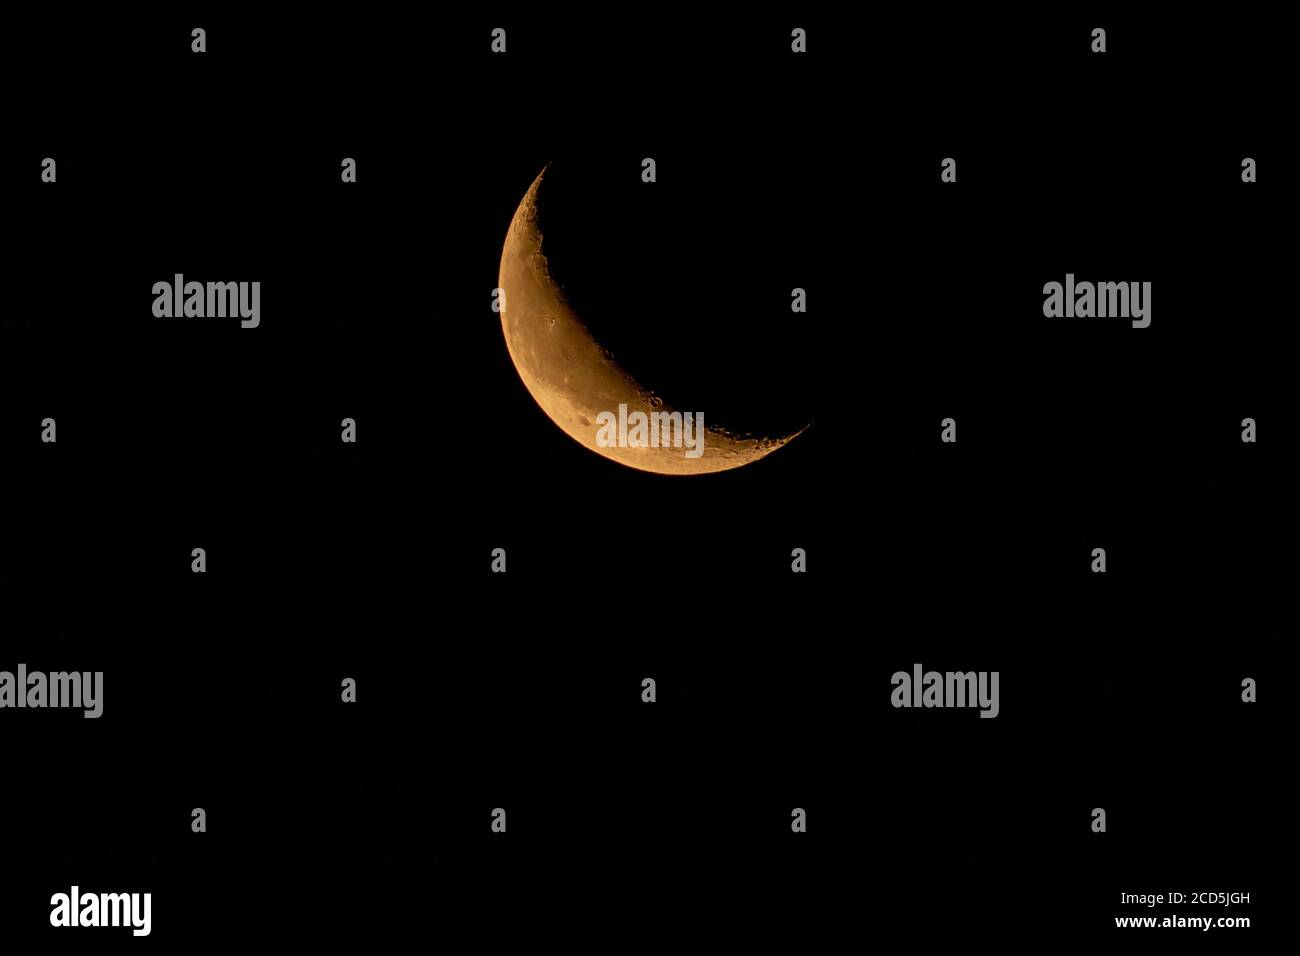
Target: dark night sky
925, 302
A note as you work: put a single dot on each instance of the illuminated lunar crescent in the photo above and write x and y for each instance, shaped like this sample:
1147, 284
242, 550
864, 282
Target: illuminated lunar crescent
574, 379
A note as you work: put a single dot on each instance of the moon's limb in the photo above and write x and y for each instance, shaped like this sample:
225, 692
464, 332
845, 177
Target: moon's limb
573, 378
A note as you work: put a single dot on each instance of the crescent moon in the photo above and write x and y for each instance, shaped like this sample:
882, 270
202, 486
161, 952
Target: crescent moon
574, 379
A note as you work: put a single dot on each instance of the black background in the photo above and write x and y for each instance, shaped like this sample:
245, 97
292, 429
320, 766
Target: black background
670, 822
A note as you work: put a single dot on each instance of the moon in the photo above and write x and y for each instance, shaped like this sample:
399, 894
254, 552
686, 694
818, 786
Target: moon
574, 378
